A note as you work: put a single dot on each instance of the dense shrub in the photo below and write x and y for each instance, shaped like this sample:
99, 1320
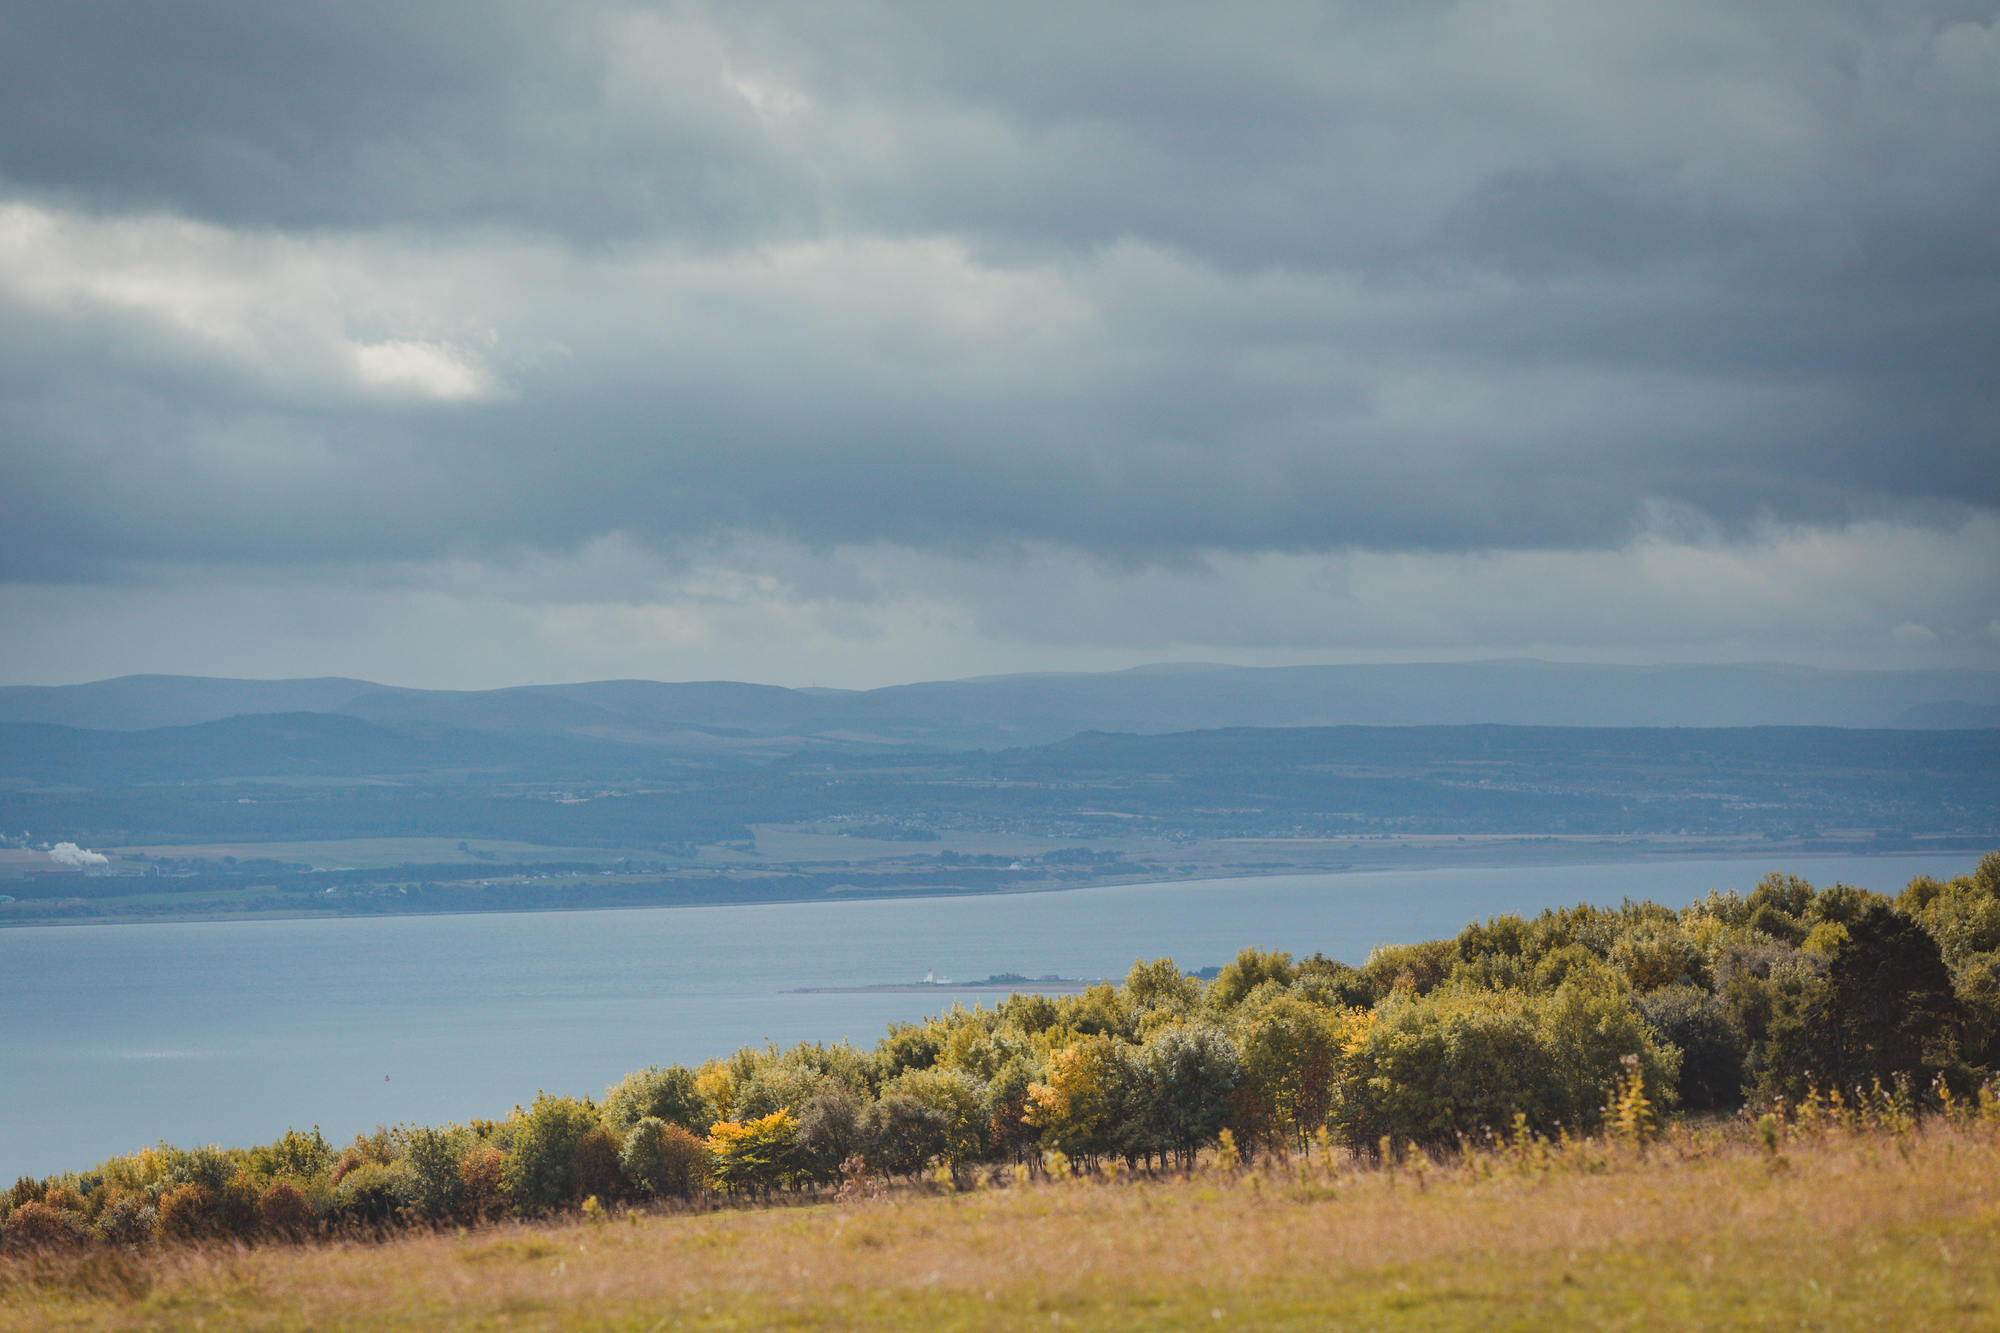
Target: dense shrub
1193, 1072
541, 1169
39, 1226
1247, 971
187, 1213
594, 1167
954, 1098
236, 1206
284, 1212
482, 1175
292, 1155
373, 1194
1693, 1020
1431, 1070
757, 1155
431, 1159
664, 1160
829, 1133
1417, 968
126, 1219
1460, 1064
666, 1094
210, 1168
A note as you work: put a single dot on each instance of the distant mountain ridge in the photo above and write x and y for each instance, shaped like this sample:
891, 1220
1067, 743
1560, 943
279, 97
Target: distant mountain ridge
140, 703
1002, 711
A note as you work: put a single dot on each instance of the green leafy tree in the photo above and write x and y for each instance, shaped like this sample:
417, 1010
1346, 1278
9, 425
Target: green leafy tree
909, 1046
779, 1085
1161, 987
1193, 1072
959, 1103
373, 1194
900, 1134
664, 1160
1776, 998
540, 1170
1291, 1055
668, 1094
1244, 973
829, 1133
1890, 1002
432, 1159
292, 1156
1072, 1105
1696, 1021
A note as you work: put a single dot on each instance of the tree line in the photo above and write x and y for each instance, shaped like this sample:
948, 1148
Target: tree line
1517, 1026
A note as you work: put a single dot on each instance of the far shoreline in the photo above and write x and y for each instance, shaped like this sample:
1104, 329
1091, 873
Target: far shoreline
1609, 852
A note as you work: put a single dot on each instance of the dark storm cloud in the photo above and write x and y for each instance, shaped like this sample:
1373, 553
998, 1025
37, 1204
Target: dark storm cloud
365, 114
304, 283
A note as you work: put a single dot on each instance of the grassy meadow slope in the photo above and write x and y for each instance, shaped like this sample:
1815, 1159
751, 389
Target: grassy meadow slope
1869, 1228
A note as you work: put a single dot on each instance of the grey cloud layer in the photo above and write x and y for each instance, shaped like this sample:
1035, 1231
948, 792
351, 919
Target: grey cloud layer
308, 284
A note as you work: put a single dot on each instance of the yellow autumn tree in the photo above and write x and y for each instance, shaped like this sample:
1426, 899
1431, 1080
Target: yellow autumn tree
760, 1154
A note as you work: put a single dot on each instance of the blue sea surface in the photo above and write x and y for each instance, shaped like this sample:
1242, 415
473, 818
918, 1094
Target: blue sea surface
116, 1036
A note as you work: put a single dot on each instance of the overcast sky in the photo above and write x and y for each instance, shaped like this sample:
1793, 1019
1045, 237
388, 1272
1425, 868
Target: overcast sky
473, 344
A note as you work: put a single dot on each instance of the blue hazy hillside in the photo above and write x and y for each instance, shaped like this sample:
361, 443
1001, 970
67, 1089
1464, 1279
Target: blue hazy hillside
1038, 709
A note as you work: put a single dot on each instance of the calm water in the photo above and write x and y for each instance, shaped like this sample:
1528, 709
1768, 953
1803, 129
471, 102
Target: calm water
115, 1036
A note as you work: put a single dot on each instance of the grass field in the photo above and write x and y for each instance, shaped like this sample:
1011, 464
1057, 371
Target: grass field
1838, 1230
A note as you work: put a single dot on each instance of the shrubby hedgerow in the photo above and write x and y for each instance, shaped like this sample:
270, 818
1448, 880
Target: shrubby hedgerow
1790, 1000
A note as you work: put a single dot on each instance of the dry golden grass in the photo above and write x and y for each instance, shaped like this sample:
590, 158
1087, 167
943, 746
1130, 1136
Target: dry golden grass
1858, 1231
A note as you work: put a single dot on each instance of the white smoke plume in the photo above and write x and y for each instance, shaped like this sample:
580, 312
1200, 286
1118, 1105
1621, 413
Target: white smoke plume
69, 854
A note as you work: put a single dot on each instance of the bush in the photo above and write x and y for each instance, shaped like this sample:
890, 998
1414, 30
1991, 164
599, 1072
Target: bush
284, 1213
432, 1157
665, 1160
187, 1213
956, 1098
757, 1155
540, 1172
1711, 1049
829, 1133
38, 1226
210, 1168
379, 1148
1461, 1063
900, 1135
127, 1219
482, 1173
594, 1168
292, 1155
669, 1095
372, 1194
236, 1207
